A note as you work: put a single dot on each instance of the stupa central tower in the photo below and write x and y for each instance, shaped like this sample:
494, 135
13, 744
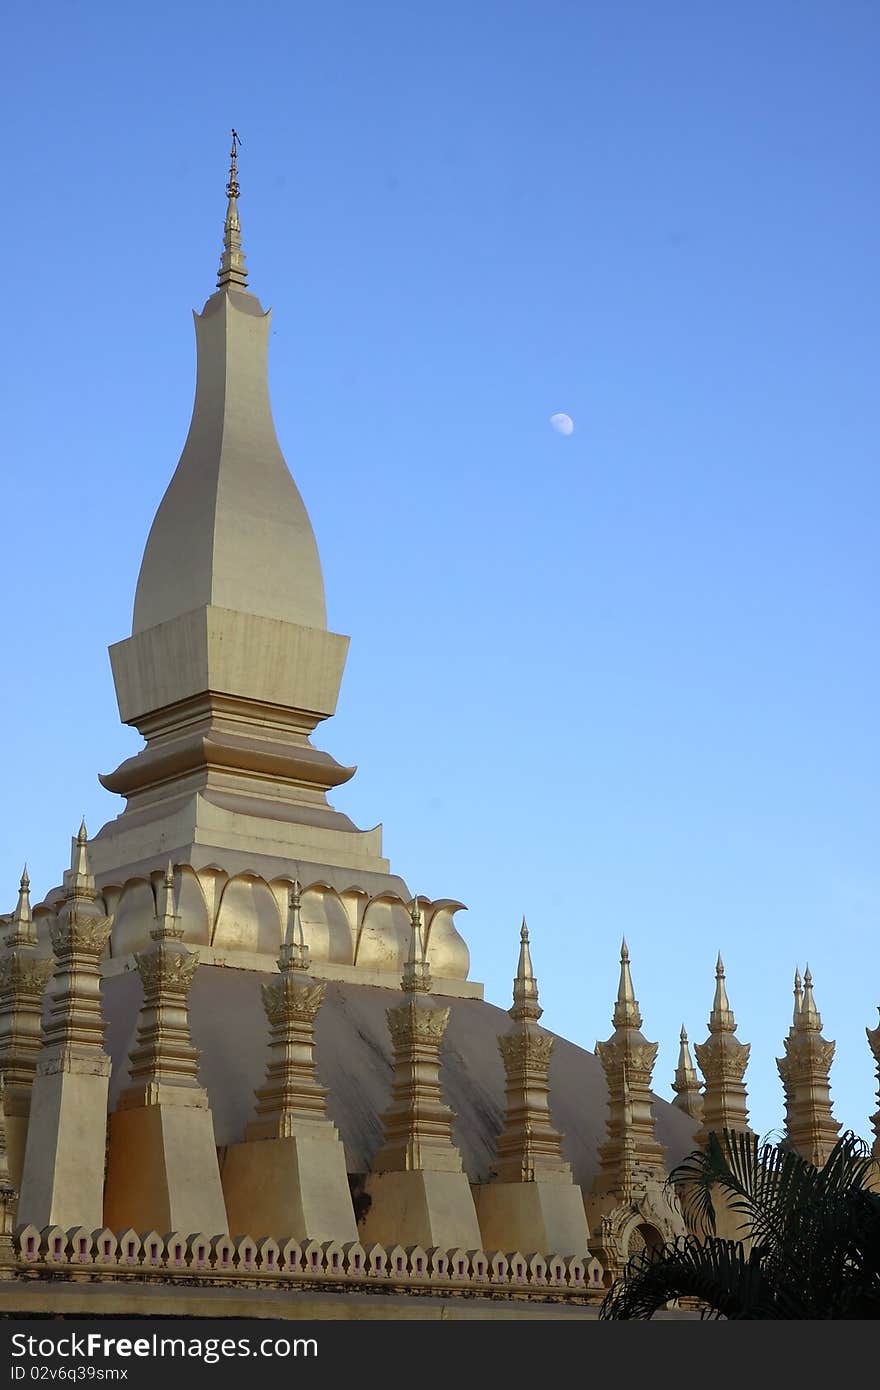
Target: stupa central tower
229, 669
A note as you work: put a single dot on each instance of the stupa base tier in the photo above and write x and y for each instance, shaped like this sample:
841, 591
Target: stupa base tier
421, 1208
298, 1185
163, 1174
532, 1216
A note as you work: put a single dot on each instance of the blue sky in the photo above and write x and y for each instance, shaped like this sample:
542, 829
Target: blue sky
625, 681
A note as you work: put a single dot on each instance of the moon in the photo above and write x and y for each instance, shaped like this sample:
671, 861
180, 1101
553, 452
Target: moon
562, 423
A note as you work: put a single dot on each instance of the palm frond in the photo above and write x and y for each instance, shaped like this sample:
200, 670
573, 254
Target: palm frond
716, 1272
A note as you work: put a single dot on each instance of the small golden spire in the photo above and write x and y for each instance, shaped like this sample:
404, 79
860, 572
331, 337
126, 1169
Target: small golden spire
416, 974
809, 1020
169, 926
626, 1010
232, 273
721, 1018
294, 951
525, 986
687, 1084
685, 1061
23, 931
798, 998
79, 882
79, 858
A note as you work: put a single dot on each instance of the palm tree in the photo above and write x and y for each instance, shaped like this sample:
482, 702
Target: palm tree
811, 1236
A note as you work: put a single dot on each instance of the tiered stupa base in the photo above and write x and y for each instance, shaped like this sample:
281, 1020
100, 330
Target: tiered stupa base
163, 1173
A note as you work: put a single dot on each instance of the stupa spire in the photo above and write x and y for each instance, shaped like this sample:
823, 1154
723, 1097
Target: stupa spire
22, 931
782, 1063
525, 985
809, 1017
529, 1147
810, 1127
294, 951
63, 1177
533, 1198
686, 1085
631, 1148
169, 927
232, 273
626, 1009
721, 1016
416, 971
722, 1059
23, 977
79, 882
292, 1102
164, 1112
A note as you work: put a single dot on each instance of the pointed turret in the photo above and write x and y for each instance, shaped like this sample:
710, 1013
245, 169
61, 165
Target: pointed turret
808, 1019
24, 972
722, 1059
628, 1061
294, 951
79, 882
529, 1148
533, 1202
22, 931
525, 986
417, 1184
289, 1174
164, 1111
626, 1009
232, 273
169, 926
416, 971
63, 1176
721, 1018
630, 1188
292, 1101
782, 1062
687, 1087
810, 1127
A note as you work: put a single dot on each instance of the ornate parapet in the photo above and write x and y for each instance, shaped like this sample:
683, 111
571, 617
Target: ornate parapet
280, 1262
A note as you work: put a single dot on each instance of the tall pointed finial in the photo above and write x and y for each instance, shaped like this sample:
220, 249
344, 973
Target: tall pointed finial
169, 927
798, 997
78, 861
686, 1085
416, 974
809, 1019
626, 1010
294, 951
23, 932
78, 880
525, 986
232, 274
721, 1016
